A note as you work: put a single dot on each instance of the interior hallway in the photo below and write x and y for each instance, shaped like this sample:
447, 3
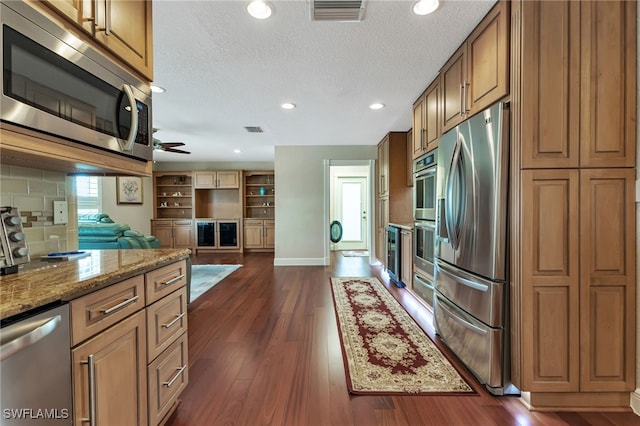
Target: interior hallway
264, 350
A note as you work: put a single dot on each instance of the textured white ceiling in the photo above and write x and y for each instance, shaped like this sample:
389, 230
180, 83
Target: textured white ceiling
224, 70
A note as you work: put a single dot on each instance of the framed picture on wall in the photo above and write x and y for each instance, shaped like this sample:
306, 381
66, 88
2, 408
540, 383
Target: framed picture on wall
129, 190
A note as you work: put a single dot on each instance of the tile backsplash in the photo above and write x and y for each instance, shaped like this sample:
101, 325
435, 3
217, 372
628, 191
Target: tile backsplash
33, 192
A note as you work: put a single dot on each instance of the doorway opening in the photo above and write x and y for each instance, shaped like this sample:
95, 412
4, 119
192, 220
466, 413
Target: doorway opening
350, 204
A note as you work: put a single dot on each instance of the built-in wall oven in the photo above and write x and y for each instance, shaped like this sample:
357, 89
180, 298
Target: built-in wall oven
424, 202
424, 186
56, 84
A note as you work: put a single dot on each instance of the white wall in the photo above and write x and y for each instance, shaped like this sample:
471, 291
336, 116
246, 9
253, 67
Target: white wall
301, 234
137, 216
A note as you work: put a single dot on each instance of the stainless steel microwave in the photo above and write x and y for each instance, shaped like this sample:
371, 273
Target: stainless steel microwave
56, 84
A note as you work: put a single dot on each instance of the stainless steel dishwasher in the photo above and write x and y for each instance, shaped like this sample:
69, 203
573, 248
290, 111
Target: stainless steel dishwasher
35, 370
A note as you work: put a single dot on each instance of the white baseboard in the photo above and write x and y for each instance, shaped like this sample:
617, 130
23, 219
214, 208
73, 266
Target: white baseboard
635, 401
295, 261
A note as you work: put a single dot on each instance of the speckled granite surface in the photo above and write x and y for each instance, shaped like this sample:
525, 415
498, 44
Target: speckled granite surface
40, 283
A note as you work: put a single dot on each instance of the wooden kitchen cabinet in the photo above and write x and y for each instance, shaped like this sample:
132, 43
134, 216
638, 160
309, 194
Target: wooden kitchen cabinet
394, 193
426, 118
173, 233
607, 280
550, 293
477, 75
406, 257
382, 168
574, 232
226, 179
578, 281
112, 367
577, 82
167, 359
382, 222
259, 234
123, 27
608, 83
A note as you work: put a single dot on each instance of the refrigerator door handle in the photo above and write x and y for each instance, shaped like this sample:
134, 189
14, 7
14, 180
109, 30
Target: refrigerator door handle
450, 222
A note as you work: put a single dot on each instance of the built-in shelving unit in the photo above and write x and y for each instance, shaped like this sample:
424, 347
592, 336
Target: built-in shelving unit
173, 195
259, 210
259, 194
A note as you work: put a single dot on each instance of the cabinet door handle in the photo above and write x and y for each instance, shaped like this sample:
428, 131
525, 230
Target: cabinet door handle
119, 305
92, 391
461, 99
178, 317
175, 377
173, 280
464, 97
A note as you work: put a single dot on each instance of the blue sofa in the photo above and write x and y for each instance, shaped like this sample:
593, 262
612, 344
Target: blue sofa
100, 232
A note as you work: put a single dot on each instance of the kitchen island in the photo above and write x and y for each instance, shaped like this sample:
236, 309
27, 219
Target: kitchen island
120, 321
40, 283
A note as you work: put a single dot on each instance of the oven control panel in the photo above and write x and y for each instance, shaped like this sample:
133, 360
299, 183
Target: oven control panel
12, 239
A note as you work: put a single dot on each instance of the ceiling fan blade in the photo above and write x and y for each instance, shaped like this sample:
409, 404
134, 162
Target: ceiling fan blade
171, 144
179, 151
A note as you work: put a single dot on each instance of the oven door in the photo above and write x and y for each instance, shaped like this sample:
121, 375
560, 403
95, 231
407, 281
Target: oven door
54, 83
424, 244
424, 194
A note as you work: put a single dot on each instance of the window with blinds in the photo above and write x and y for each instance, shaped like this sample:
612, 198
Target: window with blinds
88, 190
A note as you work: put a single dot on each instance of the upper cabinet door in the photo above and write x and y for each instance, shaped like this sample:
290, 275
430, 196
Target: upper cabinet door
417, 134
452, 84
477, 75
228, 179
487, 61
550, 79
608, 90
124, 27
204, 180
432, 116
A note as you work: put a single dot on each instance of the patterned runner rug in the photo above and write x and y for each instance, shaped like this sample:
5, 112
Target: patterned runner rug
384, 350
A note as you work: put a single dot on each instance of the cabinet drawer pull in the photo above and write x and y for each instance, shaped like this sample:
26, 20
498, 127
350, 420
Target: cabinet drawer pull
119, 305
175, 377
178, 317
92, 391
174, 280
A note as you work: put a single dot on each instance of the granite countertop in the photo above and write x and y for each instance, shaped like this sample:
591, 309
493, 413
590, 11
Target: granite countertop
40, 283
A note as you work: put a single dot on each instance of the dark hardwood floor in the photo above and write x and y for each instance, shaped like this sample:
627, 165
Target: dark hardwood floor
264, 350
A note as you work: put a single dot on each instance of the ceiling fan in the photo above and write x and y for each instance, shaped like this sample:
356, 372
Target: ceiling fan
168, 146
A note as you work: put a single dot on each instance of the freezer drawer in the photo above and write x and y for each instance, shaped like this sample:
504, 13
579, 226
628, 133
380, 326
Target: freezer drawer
478, 346
481, 298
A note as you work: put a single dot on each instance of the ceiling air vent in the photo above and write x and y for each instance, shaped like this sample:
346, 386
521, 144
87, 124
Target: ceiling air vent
254, 129
337, 10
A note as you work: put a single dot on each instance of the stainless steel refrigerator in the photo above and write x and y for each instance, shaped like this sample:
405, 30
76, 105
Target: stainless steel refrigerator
471, 304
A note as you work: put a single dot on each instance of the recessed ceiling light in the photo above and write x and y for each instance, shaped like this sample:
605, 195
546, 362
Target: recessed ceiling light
259, 9
157, 89
376, 106
425, 7
288, 105
237, 151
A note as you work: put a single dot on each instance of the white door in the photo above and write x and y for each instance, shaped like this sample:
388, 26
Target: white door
351, 211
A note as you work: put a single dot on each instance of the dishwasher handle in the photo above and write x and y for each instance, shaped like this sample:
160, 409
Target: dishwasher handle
29, 334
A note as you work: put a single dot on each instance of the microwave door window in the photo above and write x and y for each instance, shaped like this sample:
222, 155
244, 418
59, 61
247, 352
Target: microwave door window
45, 80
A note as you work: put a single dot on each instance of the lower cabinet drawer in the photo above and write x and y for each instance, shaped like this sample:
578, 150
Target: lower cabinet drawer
101, 309
168, 375
166, 320
165, 280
